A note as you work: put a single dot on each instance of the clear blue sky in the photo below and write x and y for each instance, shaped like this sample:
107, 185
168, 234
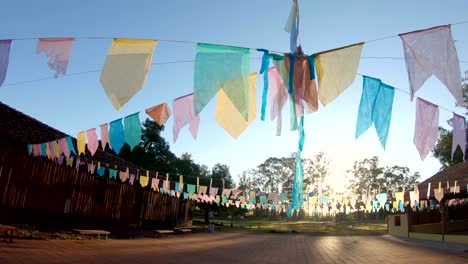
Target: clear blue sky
76, 103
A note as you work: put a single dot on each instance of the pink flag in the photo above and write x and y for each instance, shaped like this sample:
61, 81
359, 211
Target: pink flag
159, 113
57, 51
93, 142
105, 136
236, 192
154, 184
276, 92
183, 115
63, 144
432, 51
213, 190
427, 126
459, 134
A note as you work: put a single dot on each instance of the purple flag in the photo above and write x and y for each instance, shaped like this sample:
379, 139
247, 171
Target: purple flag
427, 126
459, 134
184, 114
4, 58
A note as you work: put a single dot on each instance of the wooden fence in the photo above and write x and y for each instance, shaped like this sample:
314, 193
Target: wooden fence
31, 186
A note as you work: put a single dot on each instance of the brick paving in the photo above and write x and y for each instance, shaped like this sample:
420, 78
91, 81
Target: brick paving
229, 248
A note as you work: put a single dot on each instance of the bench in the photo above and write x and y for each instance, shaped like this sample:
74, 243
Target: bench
160, 233
8, 232
182, 230
91, 232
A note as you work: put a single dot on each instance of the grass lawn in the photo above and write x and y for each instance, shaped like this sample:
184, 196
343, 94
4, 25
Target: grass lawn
303, 226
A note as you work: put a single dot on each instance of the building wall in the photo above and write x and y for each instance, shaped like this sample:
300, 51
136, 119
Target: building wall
398, 225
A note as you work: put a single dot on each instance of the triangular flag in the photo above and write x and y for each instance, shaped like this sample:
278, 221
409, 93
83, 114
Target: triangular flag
126, 68
159, 113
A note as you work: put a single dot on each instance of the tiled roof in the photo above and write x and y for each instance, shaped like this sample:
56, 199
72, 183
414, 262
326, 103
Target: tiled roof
23, 129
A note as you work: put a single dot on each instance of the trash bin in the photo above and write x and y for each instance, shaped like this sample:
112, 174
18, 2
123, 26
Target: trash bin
210, 228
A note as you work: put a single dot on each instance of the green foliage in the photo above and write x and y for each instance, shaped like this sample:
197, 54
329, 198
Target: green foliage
370, 178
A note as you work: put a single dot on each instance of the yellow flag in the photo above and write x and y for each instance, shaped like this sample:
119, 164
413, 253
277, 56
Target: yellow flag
143, 181
227, 115
126, 68
57, 149
336, 70
81, 142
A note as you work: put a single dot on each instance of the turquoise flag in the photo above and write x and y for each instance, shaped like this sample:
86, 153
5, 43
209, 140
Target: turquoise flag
375, 107
112, 174
101, 171
264, 71
225, 67
132, 133
116, 134
191, 188
298, 185
263, 199
71, 148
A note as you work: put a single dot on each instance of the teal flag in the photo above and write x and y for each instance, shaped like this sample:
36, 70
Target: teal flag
282, 197
112, 174
264, 71
375, 107
185, 196
101, 171
132, 133
71, 148
225, 67
191, 188
298, 185
263, 199
116, 134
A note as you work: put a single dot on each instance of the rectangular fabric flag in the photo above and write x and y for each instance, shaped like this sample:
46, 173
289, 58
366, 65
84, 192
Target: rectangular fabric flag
375, 107
58, 52
459, 134
227, 115
4, 58
214, 66
126, 68
93, 142
81, 142
432, 51
132, 132
427, 126
116, 133
183, 115
336, 70
105, 136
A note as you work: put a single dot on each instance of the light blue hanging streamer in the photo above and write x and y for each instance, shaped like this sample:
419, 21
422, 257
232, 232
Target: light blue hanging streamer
71, 148
185, 196
375, 107
116, 134
176, 186
291, 93
264, 71
44, 149
298, 186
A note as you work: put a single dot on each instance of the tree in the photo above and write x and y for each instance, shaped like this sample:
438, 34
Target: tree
220, 172
443, 148
369, 177
316, 172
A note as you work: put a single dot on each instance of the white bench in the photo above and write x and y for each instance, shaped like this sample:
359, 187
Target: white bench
182, 230
91, 232
160, 233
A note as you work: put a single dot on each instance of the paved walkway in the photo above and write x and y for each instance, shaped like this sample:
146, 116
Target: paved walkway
228, 248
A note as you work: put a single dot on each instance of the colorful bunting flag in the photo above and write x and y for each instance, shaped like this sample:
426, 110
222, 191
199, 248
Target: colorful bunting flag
105, 136
64, 147
58, 52
427, 126
93, 142
132, 133
228, 117
432, 51
4, 58
277, 95
375, 107
459, 134
116, 134
159, 113
264, 71
81, 142
144, 180
336, 70
214, 66
123, 175
292, 25
126, 68
70, 145
112, 174
183, 115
